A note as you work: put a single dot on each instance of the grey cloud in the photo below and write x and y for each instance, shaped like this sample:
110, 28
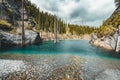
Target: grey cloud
51, 6
82, 13
78, 12
77, 0
81, 9
62, 0
95, 16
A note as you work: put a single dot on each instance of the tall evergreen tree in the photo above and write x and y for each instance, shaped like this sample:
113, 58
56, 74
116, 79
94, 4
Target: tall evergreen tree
117, 2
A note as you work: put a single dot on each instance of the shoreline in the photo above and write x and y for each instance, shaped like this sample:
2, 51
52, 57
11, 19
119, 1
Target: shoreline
61, 67
67, 39
107, 69
41, 67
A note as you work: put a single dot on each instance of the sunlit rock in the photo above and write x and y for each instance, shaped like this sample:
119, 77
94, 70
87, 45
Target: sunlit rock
8, 39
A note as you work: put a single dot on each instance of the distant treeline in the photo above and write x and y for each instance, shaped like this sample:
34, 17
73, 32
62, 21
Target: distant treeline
80, 30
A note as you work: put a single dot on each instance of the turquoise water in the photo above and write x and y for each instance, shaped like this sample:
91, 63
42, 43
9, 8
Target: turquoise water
74, 47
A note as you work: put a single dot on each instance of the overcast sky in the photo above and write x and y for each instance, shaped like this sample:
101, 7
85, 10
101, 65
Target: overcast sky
86, 12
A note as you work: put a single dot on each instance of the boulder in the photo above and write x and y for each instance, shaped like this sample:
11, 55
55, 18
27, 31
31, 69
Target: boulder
9, 40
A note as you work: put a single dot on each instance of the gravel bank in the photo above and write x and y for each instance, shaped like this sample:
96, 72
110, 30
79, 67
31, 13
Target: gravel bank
9, 66
42, 67
58, 67
101, 69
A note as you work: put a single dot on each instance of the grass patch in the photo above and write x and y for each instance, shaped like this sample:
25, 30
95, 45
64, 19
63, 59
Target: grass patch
4, 25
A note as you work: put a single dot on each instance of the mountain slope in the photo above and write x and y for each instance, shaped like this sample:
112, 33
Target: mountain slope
109, 25
114, 19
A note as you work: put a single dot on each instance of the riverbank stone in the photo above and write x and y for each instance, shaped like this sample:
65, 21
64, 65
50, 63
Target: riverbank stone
9, 40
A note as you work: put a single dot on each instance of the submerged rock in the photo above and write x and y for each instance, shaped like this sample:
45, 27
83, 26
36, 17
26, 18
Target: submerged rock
109, 74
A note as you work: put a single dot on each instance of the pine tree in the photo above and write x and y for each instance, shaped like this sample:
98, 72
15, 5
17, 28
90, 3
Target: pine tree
117, 2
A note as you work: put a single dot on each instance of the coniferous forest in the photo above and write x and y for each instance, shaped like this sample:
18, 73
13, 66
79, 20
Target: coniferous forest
37, 44
42, 21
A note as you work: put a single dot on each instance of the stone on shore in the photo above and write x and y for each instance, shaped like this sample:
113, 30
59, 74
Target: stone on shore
104, 44
8, 39
45, 67
9, 66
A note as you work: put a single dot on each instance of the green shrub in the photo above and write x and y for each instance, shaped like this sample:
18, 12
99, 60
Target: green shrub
4, 25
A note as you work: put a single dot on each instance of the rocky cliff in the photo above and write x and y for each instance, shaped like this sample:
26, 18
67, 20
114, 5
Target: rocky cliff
11, 21
108, 33
10, 10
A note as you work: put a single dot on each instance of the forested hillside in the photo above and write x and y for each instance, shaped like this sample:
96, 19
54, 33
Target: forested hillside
110, 24
81, 30
11, 13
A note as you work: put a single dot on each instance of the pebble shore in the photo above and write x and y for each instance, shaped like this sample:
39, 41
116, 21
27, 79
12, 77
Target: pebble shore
100, 69
40, 67
58, 67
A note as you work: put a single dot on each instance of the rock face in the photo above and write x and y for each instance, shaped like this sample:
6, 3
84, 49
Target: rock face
8, 39
118, 45
93, 38
107, 42
32, 37
10, 8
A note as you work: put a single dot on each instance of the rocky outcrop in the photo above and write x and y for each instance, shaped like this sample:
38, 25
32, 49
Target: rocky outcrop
109, 42
10, 10
8, 40
32, 37
104, 44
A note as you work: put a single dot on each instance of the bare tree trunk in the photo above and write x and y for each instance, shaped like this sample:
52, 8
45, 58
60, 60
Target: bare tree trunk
118, 40
23, 33
55, 31
58, 30
1, 10
0, 40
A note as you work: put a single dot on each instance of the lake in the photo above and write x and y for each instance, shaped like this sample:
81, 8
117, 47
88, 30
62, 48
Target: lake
98, 61
74, 47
